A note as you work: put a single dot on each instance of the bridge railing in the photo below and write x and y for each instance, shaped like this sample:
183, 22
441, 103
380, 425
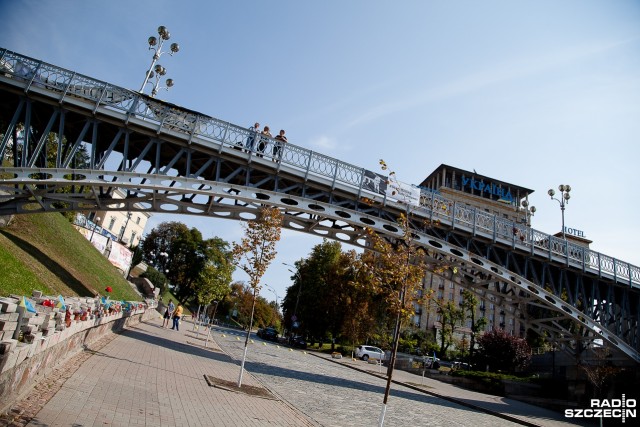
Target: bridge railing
212, 132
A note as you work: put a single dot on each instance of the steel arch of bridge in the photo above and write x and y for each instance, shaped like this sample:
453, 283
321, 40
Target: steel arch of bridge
170, 159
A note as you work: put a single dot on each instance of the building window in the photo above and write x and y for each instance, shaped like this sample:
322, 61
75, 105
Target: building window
452, 285
450, 296
112, 222
133, 238
138, 220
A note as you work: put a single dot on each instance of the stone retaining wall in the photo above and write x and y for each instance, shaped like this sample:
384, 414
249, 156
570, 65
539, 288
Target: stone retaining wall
22, 366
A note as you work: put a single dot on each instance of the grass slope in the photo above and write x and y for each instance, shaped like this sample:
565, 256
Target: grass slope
44, 252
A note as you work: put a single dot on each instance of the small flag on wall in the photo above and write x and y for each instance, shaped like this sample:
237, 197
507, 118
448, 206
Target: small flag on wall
27, 305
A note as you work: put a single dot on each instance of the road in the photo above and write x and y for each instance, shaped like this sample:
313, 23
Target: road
335, 394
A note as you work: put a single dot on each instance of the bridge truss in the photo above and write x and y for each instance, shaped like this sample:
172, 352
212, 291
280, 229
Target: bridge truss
169, 159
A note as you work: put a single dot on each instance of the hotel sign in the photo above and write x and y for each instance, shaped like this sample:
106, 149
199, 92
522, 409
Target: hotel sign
574, 232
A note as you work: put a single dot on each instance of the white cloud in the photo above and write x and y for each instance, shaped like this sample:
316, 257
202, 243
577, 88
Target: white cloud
324, 143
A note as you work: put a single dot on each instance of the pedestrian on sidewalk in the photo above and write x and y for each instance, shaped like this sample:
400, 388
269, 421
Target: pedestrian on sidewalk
176, 317
167, 314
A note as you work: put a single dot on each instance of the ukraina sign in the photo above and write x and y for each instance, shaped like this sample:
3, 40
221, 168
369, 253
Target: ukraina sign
487, 190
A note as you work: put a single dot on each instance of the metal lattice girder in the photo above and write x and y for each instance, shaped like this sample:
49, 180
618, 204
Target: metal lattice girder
158, 143
160, 193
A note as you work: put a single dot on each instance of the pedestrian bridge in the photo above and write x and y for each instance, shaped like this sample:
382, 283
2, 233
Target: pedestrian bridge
68, 141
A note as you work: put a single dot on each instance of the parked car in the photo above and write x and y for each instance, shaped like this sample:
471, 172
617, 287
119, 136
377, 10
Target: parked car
366, 352
461, 365
431, 362
298, 341
270, 334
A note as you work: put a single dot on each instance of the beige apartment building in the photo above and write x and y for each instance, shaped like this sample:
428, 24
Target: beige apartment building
121, 226
490, 195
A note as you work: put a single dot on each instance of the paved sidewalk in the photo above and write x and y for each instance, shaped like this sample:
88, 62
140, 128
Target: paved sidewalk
151, 376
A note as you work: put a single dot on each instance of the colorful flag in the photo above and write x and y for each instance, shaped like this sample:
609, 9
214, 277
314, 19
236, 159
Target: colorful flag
27, 305
61, 305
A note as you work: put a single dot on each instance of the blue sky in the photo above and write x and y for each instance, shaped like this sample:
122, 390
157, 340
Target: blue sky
535, 92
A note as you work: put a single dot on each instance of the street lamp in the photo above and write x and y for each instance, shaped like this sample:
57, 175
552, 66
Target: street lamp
563, 200
213, 317
276, 294
528, 212
158, 70
294, 318
95, 224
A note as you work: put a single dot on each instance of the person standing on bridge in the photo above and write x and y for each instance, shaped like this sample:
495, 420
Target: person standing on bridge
176, 317
278, 147
264, 141
253, 134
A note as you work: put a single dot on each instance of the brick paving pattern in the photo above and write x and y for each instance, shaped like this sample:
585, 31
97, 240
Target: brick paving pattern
151, 376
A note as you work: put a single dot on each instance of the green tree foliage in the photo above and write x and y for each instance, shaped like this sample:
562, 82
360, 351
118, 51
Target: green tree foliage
240, 299
468, 307
214, 279
332, 302
158, 279
501, 351
451, 317
194, 266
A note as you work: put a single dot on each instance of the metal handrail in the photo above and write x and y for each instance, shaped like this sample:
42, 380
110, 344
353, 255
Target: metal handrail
207, 131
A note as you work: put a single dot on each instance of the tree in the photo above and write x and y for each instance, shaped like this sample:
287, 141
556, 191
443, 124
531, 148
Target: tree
501, 351
194, 266
600, 370
240, 298
214, 279
469, 305
315, 299
451, 316
395, 269
254, 254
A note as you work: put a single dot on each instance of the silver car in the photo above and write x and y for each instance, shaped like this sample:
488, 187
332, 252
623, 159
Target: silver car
366, 352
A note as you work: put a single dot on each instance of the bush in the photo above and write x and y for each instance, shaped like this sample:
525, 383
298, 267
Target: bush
502, 351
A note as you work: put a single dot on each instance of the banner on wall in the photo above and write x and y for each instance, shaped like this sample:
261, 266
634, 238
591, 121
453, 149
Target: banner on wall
120, 256
374, 182
404, 193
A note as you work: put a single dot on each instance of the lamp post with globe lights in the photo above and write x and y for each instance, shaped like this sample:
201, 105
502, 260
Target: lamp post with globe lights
276, 294
162, 266
528, 212
294, 318
93, 230
563, 200
157, 70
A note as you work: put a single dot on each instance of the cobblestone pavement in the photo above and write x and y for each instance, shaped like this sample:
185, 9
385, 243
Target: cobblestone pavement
152, 376
334, 395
